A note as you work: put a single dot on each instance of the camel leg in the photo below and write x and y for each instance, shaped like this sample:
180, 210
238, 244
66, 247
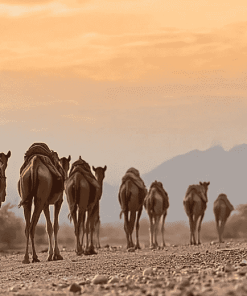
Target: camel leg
131, 226
199, 229
57, 207
222, 226
76, 229
82, 227
192, 235
151, 227
87, 252
91, 247
137, 246
217, 226
27, 214
79, 225
97, 234
38, 207
156, 229
49, 231
126, 228
163, 229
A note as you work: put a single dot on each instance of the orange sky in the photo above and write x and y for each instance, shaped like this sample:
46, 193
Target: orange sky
122, 83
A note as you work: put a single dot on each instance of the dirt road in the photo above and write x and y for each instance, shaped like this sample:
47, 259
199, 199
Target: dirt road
176, 270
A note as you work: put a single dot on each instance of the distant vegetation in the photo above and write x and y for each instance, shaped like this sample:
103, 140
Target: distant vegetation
12, 231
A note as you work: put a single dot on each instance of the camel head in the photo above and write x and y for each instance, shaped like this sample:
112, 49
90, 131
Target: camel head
205, 186
65, 164
4, 160
100, 173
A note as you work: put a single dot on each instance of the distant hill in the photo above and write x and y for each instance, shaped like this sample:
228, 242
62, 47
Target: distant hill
226, 171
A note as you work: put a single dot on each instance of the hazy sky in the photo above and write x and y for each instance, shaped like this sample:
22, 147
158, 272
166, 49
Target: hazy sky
122, 83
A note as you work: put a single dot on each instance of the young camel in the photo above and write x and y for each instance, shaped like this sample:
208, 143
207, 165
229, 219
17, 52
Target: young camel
83, 192
131, 198
3, 165
37, 184
99, 175
156, 204
195, 204
222, 210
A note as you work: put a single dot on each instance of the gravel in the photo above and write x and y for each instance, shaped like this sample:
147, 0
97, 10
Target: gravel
208, 269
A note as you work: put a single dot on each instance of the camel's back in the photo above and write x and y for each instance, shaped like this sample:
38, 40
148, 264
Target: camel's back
221, 202
129, 192
133, 191
158, 203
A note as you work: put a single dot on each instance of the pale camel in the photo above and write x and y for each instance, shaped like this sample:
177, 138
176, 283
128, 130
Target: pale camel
84, 195
3, 165
100, 175
156, 204
222, 210
37, 184
131, 198
195, 204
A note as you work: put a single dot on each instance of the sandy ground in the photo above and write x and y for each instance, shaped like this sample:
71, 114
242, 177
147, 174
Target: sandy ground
208, 269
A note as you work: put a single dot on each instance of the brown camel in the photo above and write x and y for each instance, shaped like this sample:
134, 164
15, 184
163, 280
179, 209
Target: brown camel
83, 192
131, 198
38, 184
3, 165
195, 204
100, 175
222, 210
156, 204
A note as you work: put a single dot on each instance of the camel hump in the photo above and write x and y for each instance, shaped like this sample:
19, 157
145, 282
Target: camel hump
38, 148
197, 189
82, 167
223, 197
134, 175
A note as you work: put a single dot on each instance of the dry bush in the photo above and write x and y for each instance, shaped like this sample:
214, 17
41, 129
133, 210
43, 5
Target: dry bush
11, 229
236, 224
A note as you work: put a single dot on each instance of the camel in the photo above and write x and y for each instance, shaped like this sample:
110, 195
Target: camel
195, 204
83, 192
39, 185
99, 174
156, 204
131, 198
222, 210
3, 165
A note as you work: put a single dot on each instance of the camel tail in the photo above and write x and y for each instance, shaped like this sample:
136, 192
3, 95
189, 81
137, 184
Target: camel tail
33, 176
189, 204
126, 198
73, 209
34, 173
120, 215
151, 201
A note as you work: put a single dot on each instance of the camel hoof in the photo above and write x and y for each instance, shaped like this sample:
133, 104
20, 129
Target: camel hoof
90, 252
93, 252
57, 257
49, 258
35, 260
26, 261
79, 253
137, 247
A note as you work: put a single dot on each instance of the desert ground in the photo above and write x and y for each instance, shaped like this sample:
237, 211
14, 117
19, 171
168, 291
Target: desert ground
207, 269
